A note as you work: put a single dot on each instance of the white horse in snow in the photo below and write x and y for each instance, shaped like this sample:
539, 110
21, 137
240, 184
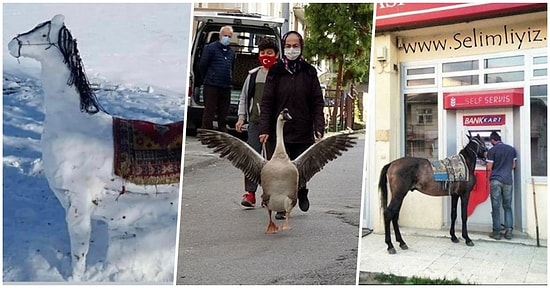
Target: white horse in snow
77, 142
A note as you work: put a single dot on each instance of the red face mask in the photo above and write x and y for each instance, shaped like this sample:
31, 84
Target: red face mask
267, 60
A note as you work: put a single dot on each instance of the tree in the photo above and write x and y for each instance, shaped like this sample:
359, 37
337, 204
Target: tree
340, 33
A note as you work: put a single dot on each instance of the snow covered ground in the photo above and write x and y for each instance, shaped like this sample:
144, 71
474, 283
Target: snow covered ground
137, 55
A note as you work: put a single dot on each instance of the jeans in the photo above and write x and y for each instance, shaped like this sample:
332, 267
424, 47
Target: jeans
254, 142
501, 193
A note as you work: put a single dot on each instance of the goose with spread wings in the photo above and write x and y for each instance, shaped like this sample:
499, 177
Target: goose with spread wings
280, 177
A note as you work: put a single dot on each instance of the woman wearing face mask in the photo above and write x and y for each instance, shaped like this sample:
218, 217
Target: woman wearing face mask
249, 106
292, 83
216, 68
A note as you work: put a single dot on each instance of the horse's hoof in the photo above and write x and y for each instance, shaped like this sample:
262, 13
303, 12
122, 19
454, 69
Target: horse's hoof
470, 243
391, 250
455, 240
404, 246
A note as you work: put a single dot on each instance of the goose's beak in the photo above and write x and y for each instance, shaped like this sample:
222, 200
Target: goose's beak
286, 115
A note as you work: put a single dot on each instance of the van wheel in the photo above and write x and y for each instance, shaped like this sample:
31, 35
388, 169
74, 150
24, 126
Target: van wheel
191, 129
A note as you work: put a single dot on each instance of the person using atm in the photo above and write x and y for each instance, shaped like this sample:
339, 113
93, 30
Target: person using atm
501, 161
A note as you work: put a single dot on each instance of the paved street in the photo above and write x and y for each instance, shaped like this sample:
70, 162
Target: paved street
223, 243
431, 254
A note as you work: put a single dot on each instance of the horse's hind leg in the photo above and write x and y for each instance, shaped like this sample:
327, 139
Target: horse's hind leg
388, 215
398, 236
393, 216
464, 198
454, 205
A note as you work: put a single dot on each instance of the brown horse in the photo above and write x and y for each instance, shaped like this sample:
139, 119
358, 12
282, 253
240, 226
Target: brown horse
411, 173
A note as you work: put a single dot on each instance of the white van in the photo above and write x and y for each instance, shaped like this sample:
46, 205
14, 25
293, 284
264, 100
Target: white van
248, 30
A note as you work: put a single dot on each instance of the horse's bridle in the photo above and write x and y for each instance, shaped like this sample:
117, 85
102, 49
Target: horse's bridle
478, 144
48, 43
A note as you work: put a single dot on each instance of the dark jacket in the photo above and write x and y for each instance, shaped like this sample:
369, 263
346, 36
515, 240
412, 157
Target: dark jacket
216, 65
301, 94
502, 156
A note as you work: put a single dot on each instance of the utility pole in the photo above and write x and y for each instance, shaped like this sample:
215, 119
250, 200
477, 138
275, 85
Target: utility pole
286, 15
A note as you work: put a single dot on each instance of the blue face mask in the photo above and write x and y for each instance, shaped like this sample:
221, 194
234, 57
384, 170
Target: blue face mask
225, 40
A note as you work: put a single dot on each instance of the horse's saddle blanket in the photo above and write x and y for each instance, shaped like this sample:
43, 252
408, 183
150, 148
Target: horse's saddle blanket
450, 169
147, 153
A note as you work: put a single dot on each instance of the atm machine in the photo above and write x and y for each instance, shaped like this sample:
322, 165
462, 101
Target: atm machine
481, 112
473, 123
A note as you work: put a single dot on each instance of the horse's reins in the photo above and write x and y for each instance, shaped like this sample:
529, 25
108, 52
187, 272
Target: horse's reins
264, 151
48, 43
69, 45
476, 141
478, 146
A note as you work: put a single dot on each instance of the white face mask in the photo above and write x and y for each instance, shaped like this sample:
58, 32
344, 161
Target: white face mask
292, 53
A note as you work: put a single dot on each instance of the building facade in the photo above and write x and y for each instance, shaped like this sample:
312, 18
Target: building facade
441, 71
292, 11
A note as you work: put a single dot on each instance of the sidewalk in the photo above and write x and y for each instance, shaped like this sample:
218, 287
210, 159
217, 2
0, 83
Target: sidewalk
431, 254
197, 155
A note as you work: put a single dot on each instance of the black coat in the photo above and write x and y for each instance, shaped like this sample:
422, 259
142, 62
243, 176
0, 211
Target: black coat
301, 94
216, 65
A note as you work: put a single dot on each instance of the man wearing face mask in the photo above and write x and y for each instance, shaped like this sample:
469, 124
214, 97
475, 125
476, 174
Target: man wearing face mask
216, 68
292, 83
249, 106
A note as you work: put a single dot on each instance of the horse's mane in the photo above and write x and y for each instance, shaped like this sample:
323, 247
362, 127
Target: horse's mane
67, 46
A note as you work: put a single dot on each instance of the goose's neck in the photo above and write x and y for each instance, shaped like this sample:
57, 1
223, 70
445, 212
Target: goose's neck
280, 151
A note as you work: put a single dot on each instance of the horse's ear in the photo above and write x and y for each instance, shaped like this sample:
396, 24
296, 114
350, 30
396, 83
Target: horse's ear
469, 137
58, 20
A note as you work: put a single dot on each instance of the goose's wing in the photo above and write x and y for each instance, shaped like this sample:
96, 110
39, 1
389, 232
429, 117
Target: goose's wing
317, 156
235, 150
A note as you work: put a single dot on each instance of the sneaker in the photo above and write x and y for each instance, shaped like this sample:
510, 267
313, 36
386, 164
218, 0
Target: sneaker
495, 235
280, 215
249, 199
508, 234
303, 202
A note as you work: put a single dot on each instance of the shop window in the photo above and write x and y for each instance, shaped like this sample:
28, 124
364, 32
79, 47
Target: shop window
539, 128
420, 76
421, 121
539, 72
504, 77
539, 60
421, 82
461, 66
539, 64
501, 62
461, 80
424, 116
421, 71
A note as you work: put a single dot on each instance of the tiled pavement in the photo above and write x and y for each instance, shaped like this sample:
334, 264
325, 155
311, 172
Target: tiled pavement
432, 254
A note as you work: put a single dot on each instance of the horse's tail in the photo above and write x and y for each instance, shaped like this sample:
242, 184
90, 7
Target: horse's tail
382, 185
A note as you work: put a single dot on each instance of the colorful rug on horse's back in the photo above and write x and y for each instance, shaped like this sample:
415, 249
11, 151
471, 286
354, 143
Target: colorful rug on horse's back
147, 153
450, 169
